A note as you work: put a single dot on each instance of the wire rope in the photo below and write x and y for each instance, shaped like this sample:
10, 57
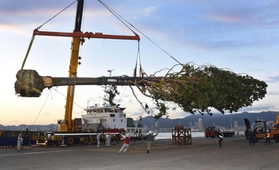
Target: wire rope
33, 36
57, 14
131, 25
122, 95
41, 109
65, 96
116, 15
122, 20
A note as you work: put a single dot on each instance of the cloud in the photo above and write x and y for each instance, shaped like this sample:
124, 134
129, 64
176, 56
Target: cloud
273, 79
32, 5
148, 10
232, 25
273, 93
136, 114
17, 15
224, 17
259, 108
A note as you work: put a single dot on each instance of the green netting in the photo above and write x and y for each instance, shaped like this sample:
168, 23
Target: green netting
26, 82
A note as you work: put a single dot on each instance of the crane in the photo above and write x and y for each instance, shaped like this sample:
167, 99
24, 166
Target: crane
77, 38
67, 126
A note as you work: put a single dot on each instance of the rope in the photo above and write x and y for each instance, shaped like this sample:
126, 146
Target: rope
57, 14
65, 97
28, 50
123, 19
33, 37
117, 16
122, 95
40, 110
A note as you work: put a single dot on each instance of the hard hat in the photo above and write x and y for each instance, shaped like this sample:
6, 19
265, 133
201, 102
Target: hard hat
267, 130
150, 132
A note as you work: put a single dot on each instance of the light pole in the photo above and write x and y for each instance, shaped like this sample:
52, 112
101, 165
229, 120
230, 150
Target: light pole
88, 101
110, 71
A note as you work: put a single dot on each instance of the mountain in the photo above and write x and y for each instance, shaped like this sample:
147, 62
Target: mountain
217, 119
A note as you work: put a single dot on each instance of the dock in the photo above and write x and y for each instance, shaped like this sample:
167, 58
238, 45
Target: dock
202, 154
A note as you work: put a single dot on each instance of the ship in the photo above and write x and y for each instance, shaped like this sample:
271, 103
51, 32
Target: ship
108, 118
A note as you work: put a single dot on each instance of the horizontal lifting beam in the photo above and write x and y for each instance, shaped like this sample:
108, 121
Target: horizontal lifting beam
86, 35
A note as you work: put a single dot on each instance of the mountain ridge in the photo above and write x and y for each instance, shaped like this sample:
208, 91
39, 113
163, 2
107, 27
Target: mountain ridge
216, 118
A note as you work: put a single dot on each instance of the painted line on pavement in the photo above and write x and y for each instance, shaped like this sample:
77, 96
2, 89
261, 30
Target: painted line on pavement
32, 153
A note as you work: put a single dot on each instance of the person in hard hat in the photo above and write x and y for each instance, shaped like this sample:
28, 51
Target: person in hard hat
98, 139
221, 137
125, 145
19, 142
267, 137
150, 138
108, 140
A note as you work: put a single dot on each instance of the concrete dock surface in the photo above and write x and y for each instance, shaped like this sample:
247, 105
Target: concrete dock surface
203, 154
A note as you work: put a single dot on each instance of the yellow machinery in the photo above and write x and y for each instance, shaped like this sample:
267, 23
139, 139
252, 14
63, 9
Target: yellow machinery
260, 129
274, 132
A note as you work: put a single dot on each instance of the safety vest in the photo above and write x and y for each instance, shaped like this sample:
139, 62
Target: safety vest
267, 135
127, 140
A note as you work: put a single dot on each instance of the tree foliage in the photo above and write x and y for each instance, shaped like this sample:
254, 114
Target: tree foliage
111, 92
199, 89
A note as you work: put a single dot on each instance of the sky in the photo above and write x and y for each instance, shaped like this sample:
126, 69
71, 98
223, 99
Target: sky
242, 36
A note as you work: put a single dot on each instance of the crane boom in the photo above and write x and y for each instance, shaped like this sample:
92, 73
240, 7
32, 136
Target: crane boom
67, 125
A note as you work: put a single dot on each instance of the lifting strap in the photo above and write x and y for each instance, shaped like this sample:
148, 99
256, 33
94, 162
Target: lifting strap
28, 50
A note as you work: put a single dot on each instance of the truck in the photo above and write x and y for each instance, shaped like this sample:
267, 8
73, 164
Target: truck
212, 132
260, 129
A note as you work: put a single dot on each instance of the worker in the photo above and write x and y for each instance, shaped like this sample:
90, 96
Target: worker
108, 140
267, 137
221, 137
19, 142
251, 137
113, 139
126, 144
150, 140
98, 139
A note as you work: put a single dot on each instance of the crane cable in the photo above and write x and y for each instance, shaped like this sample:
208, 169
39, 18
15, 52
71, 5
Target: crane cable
28, 50
124, 21
41, 109
33, 37
138, 59
66, 96
117, 16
